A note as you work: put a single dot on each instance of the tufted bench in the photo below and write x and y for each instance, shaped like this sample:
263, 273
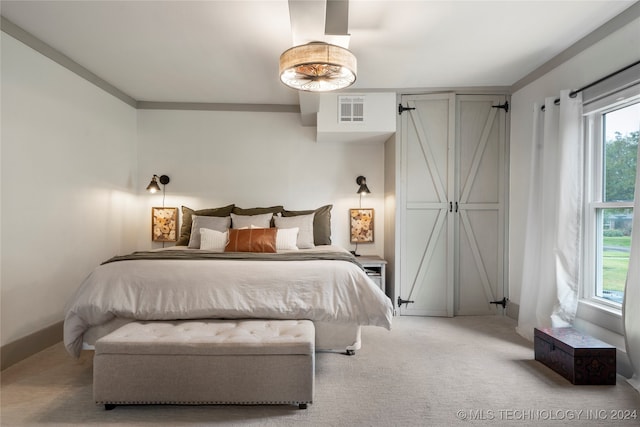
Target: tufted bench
206, 362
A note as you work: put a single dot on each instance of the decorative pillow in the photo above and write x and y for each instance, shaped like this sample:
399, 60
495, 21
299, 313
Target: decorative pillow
212, 240
286, 239
185, 229
258, 211
321, 223
210, 222
258, 221
305, 225
252, 240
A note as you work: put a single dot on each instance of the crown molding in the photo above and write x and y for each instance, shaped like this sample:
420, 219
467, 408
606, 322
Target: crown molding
209, 106
614, 24
41, 47
8, 27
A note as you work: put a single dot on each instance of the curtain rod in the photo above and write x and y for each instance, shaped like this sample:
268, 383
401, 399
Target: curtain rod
573, 93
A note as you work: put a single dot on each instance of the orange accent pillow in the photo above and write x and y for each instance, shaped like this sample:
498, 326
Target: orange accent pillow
252, 240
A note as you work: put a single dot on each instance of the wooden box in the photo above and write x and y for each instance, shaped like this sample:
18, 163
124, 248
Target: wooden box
578, 357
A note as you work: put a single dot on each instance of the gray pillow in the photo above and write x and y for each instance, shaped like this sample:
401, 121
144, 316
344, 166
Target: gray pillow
257, 211
185, 229
304, 223
321, 223
246, 221
220, 224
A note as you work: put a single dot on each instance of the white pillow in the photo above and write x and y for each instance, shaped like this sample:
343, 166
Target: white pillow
305, 226
243, 221
286, 239
211, 222
212, 240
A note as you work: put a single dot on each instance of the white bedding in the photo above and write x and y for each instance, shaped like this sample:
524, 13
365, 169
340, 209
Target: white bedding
319, 290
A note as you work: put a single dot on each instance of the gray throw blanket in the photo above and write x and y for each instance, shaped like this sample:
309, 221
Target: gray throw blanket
198, 255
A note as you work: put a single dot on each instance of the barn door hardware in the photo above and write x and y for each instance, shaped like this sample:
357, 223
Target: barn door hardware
402, 109
404, 301
504, 106
502, 302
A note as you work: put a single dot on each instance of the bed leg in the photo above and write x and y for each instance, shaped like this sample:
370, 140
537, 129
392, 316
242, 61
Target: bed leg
302, 406
109, 406
350, 352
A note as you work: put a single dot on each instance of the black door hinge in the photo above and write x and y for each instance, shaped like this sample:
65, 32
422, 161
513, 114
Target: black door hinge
504, 106
502, 302
402, 109
403, 301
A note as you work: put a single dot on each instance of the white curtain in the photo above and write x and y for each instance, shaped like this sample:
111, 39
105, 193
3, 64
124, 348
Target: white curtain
631, 305
551, 268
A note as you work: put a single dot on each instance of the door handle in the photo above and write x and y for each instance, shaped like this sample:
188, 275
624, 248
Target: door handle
450, 206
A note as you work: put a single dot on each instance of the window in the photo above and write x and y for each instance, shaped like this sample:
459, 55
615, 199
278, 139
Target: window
613, 127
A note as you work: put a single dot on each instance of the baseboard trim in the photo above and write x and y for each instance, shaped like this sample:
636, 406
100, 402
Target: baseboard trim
513, 310
22, 348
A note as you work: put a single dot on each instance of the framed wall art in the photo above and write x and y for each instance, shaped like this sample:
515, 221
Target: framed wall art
164, 224
361, 223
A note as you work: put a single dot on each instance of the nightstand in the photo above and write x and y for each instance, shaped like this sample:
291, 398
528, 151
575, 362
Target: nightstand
375, 268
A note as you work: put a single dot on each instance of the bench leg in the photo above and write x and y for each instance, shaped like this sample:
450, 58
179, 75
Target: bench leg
109, 406
302, 406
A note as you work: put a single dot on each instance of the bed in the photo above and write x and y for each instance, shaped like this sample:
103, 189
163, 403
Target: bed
319, 282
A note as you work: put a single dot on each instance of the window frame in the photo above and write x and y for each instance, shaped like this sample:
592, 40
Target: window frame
600, 310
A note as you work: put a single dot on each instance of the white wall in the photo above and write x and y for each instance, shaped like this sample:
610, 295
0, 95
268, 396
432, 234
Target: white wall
68, 186
379, 118
610, 54
215, 158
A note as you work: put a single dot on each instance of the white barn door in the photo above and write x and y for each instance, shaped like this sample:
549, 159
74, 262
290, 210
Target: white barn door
452, 208
480, 216
427, 162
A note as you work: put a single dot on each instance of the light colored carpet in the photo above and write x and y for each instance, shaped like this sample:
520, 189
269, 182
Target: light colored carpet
426, 371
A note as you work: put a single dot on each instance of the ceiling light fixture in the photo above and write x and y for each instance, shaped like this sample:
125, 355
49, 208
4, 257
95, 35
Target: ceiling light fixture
318, 67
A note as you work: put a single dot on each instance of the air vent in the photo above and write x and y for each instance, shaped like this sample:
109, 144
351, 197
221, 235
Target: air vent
350, 109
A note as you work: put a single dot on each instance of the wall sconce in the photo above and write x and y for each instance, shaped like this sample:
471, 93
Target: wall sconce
362, 182
361, 220
153, 186
164, 221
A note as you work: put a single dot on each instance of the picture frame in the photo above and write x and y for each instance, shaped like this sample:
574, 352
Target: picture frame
361, 225
164, 224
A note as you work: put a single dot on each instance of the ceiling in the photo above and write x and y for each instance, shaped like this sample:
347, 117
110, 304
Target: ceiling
227, 51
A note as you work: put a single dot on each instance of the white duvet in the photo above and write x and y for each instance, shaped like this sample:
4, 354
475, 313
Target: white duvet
319, 290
